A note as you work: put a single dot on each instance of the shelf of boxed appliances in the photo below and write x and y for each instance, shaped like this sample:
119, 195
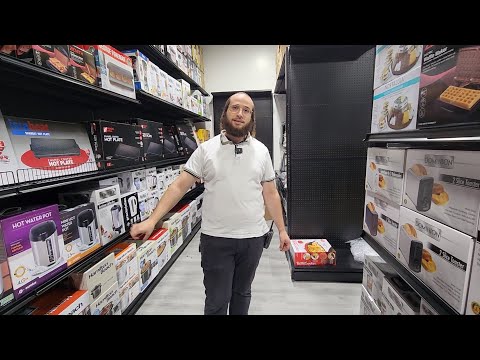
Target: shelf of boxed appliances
164, 63
172, 110
31, 77
346, 269
135, 305
67, 178
424, 291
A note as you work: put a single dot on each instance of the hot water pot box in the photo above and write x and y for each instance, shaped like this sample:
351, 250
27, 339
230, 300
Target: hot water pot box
34, 247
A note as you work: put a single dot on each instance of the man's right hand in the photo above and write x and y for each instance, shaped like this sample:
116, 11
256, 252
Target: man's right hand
143, 230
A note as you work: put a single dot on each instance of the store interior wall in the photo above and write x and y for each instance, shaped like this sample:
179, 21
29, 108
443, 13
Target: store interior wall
243, 67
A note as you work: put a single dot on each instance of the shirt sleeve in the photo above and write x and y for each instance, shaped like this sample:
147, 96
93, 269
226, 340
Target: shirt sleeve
194, 165
268, 173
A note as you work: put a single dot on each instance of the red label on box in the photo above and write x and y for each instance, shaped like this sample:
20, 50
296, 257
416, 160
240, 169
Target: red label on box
54, 163
313, 252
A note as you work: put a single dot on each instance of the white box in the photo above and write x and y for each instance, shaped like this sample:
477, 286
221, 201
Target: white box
129, 291
126, 263
151, 177
403, 298
473, 302
130, 209
97, 278
185, 93
140, 69
395, 104
143, 205
178, 93
374, 271
444, 185
172, 53
438, 255
162, 245
172, 222
8, 160
147, 261
387, 307
60, 301
126, 182
171, 89
381, 220
184, 212
392, 61
152, 79
367, 305
162, 84
427, 309
108, 303
385, 172
139, 180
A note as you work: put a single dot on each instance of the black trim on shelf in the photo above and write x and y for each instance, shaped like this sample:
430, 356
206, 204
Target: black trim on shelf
327, 53
164, 63
139, 300
280, 83
423, 290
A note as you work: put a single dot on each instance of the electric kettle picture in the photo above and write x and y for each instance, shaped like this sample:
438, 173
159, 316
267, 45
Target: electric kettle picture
133, 206
87, 228
44, 242
116, 211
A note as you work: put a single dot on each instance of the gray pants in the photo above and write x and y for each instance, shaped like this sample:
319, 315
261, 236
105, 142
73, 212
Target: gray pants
229, 267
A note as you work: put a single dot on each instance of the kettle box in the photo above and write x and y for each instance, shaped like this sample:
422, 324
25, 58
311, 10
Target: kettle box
473, 302
34, 246
131, 209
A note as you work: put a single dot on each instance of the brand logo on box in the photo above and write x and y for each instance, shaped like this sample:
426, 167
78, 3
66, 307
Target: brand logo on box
28, 128
440, 161
108, 129
428, 229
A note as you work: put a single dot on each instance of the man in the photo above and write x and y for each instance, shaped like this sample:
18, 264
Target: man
237, 171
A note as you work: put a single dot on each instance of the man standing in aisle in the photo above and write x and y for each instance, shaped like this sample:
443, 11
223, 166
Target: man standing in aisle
239, 179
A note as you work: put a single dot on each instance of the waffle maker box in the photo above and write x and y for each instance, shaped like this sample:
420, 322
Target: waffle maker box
81, 65
449, 85
53, 57
438, 255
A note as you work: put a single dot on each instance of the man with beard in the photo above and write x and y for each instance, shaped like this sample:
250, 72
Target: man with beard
239, 179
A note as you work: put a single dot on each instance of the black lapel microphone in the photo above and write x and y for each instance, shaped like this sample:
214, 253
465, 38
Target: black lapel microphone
238, 150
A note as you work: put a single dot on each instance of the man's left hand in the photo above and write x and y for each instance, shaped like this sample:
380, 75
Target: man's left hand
284, 241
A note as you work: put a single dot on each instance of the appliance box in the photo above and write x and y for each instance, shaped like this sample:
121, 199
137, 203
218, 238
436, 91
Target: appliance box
385, 172
34, 247
81, 65
6, 287
126, 182
178, 92
185, 93
139, 180
80, 232
152, 137
129, 291
116, 144
151, 176
445, 256
131, 209
59, 301
96, 278
449, 86
171, 89
140, 69
108, 303
393, 61
403, 298
152, 79
126, 262
52, 57
172, 222
147, 261
367, 305
172, 147
8, 160
374, 271
473, 302
162, 85
162, 246
47, 149
445, 186
187, 137
312, 252
115, 72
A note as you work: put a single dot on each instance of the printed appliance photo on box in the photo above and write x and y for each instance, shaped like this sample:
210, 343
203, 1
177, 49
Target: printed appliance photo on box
384, 174
162, 245
81, 65
34, 246
437, 254
140, 69
381, 221
473, 302
8, 160
312, 252
395, 104
444, 185
6, 287
108, 303
126, 262
367, 305
52, 57
47, 149
152, 137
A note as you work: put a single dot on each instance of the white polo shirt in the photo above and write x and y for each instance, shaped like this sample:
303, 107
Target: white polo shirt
233, 204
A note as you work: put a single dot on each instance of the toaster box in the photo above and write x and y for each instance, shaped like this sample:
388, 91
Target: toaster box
393, 61
473, 302
172, 147
172, 53
374, 271
116, 144
147, 261
312, 252
115, 71
160, 237
381, 220
385, 172
152, 137
444, 185
81, 65
187, 137
34, 247
131, 209
367, 305
108, 208
144, 205
126, 263
395, 104
6, 286
427, 309
96, 278
8, 160
108, 303
449, 85
437, 254
80, 232
128, 292
52, 57
404, 299
140, 69
45, 149
60, 301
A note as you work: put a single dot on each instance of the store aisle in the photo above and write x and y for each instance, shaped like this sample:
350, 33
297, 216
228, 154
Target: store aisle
181, 290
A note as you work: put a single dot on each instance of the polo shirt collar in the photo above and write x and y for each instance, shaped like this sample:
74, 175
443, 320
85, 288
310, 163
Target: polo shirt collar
226, 141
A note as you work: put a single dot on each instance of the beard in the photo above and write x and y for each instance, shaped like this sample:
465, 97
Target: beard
235, 131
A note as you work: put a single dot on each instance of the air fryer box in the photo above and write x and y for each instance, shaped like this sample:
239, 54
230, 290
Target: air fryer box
312, 252
108, 303
395, 104
115, 72
449, 85
81, 65
129, 291
473, 302
403, 298
184, 211
80, 232
131, 209
8, 160
393, 61
47, 149
385, 172
438, 255
140, 69
381, 220
108, 208
147, 261
126, 263
116, 144
172, 146
60, 301
160, 238
187, 137
34, 246
374, 271
367, 305
152, 137
52, 57
444, 185
96, 278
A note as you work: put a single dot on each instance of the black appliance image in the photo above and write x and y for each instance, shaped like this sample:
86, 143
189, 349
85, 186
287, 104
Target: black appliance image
419, 189
44, 242
47, 147
146, 271
154, 149
411, 248
371, 219
87, 227
96, 291
124, 151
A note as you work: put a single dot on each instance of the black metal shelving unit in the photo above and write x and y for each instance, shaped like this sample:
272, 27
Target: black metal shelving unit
139, 300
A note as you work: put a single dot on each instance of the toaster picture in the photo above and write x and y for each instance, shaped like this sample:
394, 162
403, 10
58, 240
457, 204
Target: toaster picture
411, 249
419, 189
371, 219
